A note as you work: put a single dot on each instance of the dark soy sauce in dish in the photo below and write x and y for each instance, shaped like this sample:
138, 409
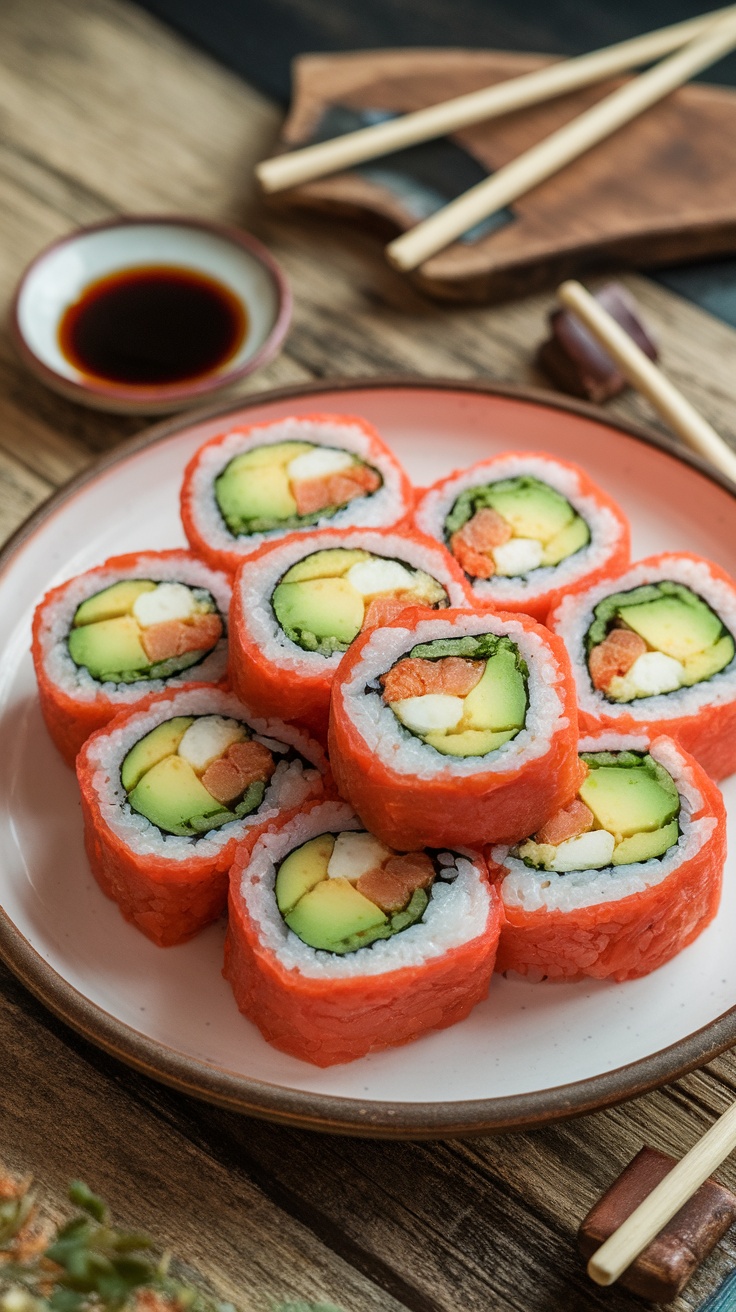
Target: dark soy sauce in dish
154, 325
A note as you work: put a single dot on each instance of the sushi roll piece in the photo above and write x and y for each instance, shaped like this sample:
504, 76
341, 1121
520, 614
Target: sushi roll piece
653, 651
458, 728
138, 624
169, 789
299, 604
337, 946
252, 485
625, 876
527, 529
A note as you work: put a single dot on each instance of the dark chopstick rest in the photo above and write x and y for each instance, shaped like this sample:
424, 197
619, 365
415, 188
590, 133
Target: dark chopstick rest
576, 362
663, 1269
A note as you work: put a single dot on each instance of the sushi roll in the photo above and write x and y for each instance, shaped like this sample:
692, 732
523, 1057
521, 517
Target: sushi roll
137, 624
653, 651
252, 485
300, 603
526, 529
624, 877
169, 789
458, 728
337, 946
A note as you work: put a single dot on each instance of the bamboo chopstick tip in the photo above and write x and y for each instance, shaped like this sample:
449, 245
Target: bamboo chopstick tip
599, 1275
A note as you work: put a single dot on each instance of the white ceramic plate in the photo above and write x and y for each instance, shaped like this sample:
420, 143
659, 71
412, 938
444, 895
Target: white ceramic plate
528, 1054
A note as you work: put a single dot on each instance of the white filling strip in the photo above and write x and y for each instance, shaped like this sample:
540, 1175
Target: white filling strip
258, 581
397, 748
456, 913
384, 506
535, 890
574, 617
58, 616
605, 530
290, 785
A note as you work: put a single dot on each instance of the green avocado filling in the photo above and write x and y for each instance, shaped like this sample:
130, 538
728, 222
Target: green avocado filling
109, 642
333, 912
532, 510
324, 600
630, 813
258, 491
455, 715
668, 618
175, 794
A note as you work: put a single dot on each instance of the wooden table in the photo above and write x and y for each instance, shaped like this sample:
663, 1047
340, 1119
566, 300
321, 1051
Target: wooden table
103, 110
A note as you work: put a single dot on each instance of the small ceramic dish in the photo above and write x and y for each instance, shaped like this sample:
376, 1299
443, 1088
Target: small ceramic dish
59, 276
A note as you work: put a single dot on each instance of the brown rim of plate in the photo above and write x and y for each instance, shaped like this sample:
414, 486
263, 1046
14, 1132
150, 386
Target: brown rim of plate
324, 1112
173, 393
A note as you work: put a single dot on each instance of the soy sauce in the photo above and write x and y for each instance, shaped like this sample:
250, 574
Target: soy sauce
152, 326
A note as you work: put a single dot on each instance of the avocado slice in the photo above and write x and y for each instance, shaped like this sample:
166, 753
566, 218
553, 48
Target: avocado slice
116, 600
531, 507
109, 648
332, 912
275, 453
499, 700
170, 794
259, 492
644, 846
626, 800
158, 744
704, 664
471, 742
673, 625
324, 607
565, 543
301, 870
329, 564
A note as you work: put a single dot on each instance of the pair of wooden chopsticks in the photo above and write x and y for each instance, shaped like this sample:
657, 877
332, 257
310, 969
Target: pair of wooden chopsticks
698, 43
641, 1227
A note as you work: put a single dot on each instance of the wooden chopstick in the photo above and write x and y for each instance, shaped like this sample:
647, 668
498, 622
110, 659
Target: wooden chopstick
437, 120
646, 1221
562, 146
648, 379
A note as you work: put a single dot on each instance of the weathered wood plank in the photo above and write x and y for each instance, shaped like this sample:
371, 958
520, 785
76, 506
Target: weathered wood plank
63, 1115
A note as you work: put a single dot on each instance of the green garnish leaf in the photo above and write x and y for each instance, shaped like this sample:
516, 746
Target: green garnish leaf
82, 1196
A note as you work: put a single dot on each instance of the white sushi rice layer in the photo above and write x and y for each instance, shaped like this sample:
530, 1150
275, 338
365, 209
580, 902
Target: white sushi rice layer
259, 579
535, 890
402, 751
456, 913
290, 785
59, 614
574, 616
383, 507
605, 529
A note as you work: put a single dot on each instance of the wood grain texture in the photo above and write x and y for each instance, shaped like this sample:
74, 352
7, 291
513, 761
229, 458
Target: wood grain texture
657, 191
104, 110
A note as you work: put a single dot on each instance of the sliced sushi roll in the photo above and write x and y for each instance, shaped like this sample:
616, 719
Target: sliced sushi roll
337, 946
300, 603
138, 624
171, 787
625, 876
653, 650
252, 485
455, 728
526, 529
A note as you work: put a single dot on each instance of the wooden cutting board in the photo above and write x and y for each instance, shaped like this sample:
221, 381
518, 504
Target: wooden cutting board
662, 189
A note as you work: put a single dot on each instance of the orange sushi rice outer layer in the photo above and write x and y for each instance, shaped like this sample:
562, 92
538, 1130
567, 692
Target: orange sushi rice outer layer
540, 606
450, 808
708, 734
632, 936
170, 899
229, 561
327, 1021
